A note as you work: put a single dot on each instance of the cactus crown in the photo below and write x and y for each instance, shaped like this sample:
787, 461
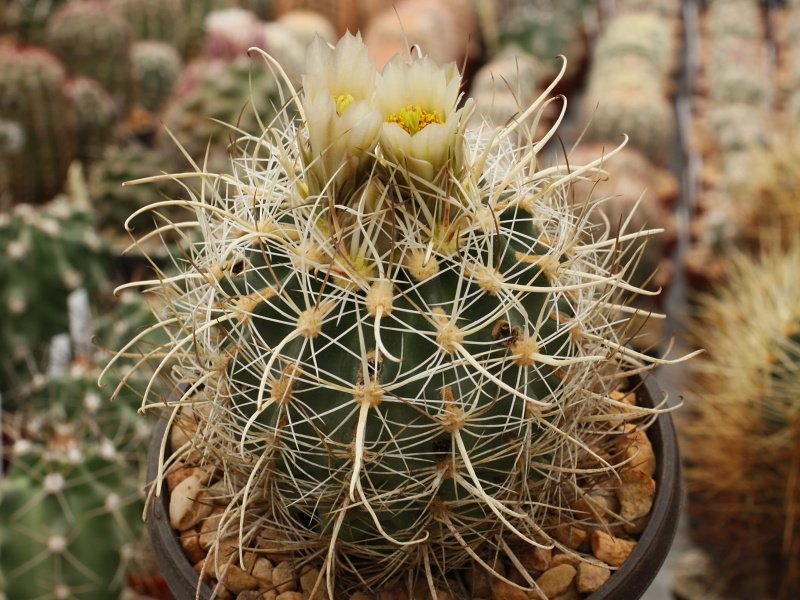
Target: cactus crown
403, 340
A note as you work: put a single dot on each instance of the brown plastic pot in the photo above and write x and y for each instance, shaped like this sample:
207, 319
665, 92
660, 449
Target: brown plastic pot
629, 582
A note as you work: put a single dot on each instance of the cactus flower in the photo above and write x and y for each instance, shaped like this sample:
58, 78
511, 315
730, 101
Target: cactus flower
342, 120
422, 122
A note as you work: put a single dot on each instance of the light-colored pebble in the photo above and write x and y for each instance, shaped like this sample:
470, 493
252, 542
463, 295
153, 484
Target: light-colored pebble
478, 582
186, 508
536, 558
638, 451
290, 596
262, 570
237, 579
591, 577
571, 536
190, 542
609, 549
556, 581
309, 579
562, 558
635, 493
284, 577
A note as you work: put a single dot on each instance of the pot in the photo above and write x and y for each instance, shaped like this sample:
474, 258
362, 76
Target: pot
629, 582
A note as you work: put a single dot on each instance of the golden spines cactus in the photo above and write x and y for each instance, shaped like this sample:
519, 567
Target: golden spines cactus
400, 336
741, 433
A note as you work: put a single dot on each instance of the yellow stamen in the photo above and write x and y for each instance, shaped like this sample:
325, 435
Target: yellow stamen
414, 119
342, 102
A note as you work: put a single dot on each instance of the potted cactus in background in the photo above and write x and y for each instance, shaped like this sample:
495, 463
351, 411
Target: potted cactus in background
397, 358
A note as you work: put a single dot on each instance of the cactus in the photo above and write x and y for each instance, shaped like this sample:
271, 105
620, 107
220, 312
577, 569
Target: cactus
32, 96
95, 116
741, 435
194, 28
231, 32
737, 127
49, 252
671, 9
647, 118
71, 500
153, 19
211, 91
641, 34
92, 39
113, 203
25, 19
156, 67
739, 19
544, 28
393, 342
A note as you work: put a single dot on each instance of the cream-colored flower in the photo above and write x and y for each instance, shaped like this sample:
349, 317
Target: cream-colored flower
423, 126
342, 121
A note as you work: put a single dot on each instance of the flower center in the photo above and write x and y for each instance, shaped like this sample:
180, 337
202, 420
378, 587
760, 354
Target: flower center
413, 119
342, 102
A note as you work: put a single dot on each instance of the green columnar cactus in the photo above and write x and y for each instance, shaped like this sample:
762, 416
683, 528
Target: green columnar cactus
153, 19
156, 67
71, 502
741, 436
95, 113
194, 31
92, 39
48, 252
32, 96
404, 346
214, 91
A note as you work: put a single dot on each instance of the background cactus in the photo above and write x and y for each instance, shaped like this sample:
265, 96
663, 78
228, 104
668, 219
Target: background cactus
96, 114
71, 499
92, 39
32, 95
194, 29
741, 436
25, 19
156, 67
153, 19
49, 252
213, 91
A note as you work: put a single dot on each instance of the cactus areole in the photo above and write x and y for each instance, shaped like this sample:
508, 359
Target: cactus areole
402, 337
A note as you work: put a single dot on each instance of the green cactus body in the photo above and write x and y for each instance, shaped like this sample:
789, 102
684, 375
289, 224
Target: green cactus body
153, 19
156, 67
212, 91
32, 95
48, 252
743, 422
92, 39
70, 504
95, 116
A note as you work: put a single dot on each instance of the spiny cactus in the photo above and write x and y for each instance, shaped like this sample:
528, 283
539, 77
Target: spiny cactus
156, 67
32, 96
153, 19
213, 91
401, 339
544, 28
95, 113
48, 252
113, 203
71, 500
641, 34
92, 39
739, 19
741, 434
647, 118
25, 20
